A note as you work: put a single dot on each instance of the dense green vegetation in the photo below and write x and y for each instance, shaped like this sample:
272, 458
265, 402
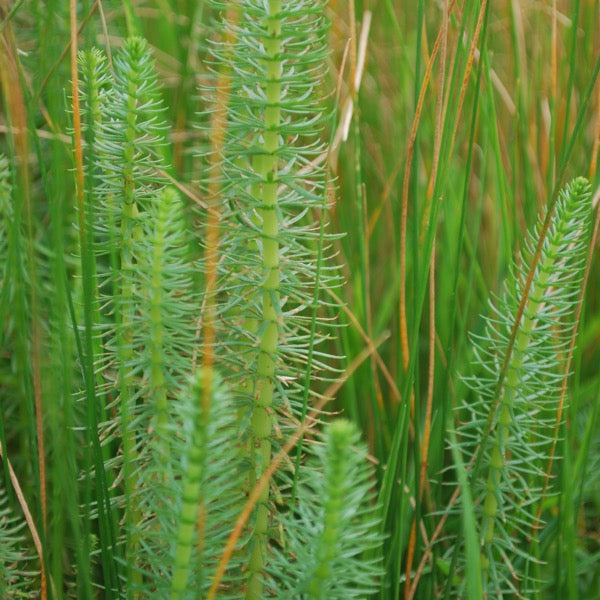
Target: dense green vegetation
299, 299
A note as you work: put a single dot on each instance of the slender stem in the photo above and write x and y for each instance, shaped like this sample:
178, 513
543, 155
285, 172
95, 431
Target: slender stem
129, 230
261, 413
336, 473
192, 499
492, 504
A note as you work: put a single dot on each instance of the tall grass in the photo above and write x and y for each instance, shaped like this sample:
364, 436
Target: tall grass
432, 138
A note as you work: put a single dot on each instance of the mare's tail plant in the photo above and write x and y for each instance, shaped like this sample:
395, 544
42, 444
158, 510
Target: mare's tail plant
179, 459
336, 520
273, 267
508, 432
142, 311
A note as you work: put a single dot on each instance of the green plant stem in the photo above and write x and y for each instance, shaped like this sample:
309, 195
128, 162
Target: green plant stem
129, 230
261, 414
338, 450
192, 497
515, 416
158, 367
492, 499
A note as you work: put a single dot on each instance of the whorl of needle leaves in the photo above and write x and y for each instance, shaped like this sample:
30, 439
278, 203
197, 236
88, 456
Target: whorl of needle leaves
272, 136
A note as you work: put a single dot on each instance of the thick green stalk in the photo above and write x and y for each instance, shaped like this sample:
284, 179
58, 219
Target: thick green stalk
261, 413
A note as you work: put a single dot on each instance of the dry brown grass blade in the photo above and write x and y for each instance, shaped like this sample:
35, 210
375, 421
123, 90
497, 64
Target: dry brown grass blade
186, 190
411, 588
553, 51
215, 159
353, 47
368, 340
391, 180
468, 69
98, 3
77, 143
311, 418
442, 37
441, 108
345, 120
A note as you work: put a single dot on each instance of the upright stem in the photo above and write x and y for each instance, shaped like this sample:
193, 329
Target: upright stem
129, 230
261, 413
493, 499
